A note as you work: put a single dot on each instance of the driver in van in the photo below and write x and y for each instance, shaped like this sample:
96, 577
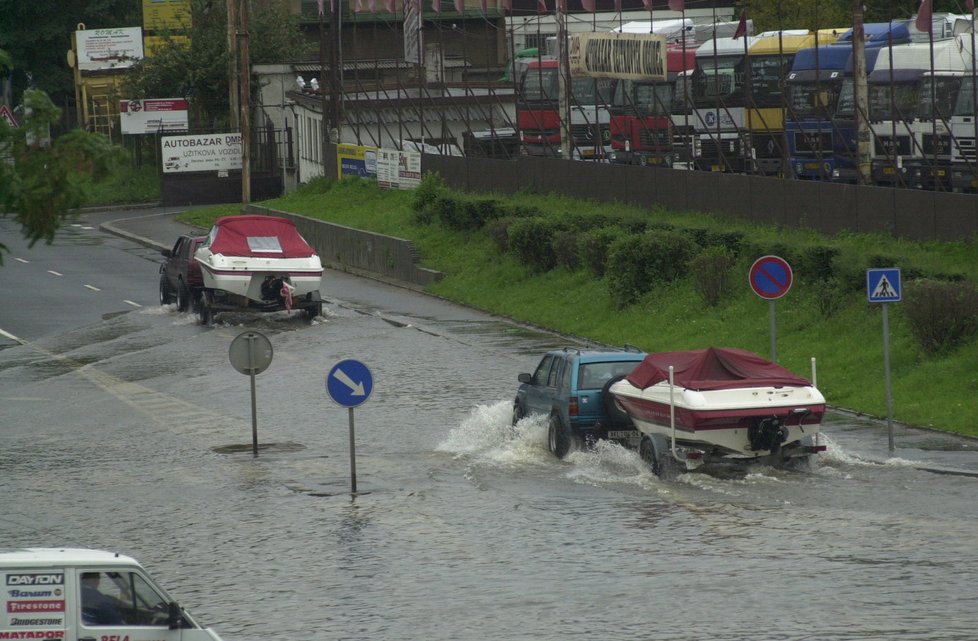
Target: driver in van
98, 608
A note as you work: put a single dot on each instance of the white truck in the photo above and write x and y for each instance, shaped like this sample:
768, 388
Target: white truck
87, 595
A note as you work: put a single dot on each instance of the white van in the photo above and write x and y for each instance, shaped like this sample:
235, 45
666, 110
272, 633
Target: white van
87, 595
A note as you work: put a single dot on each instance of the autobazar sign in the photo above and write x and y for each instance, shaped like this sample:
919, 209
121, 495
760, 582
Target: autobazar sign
629, 56
211, 152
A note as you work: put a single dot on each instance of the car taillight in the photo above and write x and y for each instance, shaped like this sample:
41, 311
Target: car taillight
572, 406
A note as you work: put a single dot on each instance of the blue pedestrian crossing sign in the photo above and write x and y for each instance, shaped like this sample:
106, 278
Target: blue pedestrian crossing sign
349, 383
883, 285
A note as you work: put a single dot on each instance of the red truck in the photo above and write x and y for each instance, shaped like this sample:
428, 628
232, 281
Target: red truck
180, 277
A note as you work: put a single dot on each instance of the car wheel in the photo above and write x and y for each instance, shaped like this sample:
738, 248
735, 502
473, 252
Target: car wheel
518, 413
559, 438
183, 297
164, 290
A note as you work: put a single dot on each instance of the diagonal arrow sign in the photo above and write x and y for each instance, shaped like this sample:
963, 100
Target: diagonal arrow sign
356, 389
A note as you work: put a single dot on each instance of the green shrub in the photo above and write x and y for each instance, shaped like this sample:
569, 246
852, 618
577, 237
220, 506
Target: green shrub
532, 240
431, 187
593, 247
566, 251
830, 295
498, 231
711, 272
942, 315
636, 263
816, 264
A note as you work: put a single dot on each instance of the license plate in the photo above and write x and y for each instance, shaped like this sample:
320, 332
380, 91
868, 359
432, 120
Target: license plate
940, 172
888, 171
587, 152
622, 434
715, 168
812, 165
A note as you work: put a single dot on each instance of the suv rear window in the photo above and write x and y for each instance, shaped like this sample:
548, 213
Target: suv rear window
595, 375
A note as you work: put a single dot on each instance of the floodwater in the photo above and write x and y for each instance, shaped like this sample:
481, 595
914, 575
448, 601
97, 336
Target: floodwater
134, 434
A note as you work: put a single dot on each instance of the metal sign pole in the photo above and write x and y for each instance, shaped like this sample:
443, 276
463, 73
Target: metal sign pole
774, 340
886, 366
254, 406
353, 457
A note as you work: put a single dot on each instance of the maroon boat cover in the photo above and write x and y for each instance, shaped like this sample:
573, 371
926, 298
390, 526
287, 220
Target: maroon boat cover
254, 235
712, 368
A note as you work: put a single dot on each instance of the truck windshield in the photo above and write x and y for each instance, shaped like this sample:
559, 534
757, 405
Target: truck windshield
965, 104
808, 100
540, 85
898, 101
945, 93
592, 91
846, 107
717, 79
646, 98
767, 74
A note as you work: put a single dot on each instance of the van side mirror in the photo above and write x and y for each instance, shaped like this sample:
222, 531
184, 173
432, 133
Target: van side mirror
166, 253
175, 616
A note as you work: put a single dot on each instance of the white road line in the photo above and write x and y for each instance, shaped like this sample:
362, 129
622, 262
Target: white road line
93, 288
51, 271
21, 260
130, 302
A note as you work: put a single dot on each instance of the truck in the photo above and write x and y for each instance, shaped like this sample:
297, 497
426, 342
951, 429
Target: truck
71, 594
538, 107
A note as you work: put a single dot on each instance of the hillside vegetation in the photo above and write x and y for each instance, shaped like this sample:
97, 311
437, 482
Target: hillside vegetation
665, 280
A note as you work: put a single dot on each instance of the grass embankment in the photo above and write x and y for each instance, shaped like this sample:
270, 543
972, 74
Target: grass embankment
939, 391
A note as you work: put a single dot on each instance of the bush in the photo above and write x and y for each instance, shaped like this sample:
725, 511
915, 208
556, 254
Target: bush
532, 240
565, 250
830, 295
637, 263
711, 272
431, 187
942, 315
593, 247
498, 231
816, 264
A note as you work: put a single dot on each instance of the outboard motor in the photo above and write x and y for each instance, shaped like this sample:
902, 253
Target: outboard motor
271, 288
767, 434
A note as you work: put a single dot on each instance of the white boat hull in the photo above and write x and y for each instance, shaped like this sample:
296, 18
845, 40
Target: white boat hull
244, 276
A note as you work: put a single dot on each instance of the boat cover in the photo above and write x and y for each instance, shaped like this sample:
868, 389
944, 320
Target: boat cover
711, 369
259, 236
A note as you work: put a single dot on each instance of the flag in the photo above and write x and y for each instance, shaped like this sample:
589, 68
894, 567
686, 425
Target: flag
541, 6
924, 22
320, 3
507, 5
648, 5
460, 6
390, 6
587, 5
617, 6
970, 4
677, 5
436, 6
742, 25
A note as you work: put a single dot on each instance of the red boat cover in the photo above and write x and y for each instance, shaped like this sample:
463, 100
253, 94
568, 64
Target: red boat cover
253, 235
712, 368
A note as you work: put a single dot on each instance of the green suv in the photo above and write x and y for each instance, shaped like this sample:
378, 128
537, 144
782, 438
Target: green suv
570, 385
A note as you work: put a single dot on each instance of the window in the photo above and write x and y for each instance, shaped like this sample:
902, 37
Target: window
121, 598
543, 370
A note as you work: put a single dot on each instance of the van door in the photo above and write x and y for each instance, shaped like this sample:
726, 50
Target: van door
125, 605
32, 604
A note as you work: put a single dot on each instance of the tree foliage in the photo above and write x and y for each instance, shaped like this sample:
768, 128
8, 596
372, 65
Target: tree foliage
199, 71
43, 181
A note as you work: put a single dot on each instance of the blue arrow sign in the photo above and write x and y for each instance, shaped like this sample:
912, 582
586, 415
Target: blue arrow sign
349, 383
883, 285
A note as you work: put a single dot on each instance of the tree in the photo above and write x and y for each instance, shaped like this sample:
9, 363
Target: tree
41, 180
37, 36
199, 71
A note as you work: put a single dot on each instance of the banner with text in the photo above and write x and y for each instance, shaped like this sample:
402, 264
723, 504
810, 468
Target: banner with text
212, 152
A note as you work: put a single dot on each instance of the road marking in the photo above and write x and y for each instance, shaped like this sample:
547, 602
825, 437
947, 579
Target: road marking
21, 260
51, 271
93, 288
130, 302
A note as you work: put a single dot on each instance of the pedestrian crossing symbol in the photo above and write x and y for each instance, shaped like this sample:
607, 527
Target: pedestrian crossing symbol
883, 285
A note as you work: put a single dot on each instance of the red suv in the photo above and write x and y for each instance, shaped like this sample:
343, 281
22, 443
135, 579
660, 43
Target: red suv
180, 275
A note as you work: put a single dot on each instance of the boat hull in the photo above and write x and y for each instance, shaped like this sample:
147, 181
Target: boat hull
247, 277
739, 423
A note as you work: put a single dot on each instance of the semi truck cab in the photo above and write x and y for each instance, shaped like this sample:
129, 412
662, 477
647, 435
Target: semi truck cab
87, 595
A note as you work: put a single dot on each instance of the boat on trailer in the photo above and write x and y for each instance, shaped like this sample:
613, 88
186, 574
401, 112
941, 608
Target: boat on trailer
720, 405
258, 263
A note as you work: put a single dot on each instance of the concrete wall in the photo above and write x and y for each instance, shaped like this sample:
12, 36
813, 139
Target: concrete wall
357, 251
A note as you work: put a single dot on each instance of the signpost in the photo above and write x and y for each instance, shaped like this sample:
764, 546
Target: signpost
251, 353
349, 383
883, 286
770, 277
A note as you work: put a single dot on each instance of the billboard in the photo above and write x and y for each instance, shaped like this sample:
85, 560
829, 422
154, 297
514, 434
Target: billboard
153, 116
209, 152
109, 48
628, 56
398, 169
356, 160
159, 15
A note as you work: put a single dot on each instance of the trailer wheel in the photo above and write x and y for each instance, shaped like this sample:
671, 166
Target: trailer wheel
204, 312
652, 458
313, 312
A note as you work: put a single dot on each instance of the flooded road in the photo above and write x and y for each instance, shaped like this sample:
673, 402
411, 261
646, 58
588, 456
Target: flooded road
133, 433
